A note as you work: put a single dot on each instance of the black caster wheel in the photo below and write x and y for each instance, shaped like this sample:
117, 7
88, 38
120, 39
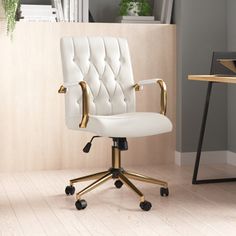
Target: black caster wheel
81, 204
164, 192
118, 184
70, 190
145, 206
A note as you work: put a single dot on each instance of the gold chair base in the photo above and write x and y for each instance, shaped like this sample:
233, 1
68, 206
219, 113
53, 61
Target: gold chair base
116, 172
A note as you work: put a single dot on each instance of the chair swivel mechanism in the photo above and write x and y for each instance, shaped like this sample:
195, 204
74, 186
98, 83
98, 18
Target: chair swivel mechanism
100, 98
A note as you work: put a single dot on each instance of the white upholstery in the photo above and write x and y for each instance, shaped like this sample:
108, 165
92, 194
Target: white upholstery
136, 124
148, 81
104, 63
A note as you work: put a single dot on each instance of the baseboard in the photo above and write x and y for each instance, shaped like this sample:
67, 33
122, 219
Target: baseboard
208, 157
231, 158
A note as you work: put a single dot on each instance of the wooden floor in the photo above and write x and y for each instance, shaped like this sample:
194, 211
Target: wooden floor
34, 203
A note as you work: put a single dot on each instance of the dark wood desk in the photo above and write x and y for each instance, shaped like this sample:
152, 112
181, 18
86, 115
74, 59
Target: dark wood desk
210, 79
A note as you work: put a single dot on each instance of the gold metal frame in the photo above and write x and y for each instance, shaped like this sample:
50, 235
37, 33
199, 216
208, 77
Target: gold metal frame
120, 174
62, 89
85, 102
137, 87
163, 101
143, 178
163, 96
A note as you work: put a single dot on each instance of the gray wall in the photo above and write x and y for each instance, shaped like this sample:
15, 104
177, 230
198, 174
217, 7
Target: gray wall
201, 29
231, 43
179, 34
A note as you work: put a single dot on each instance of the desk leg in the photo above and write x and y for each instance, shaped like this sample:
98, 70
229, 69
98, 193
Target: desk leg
202, 132
199, 149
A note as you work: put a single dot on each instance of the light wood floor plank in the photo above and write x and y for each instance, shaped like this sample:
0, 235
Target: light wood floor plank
9, 224
34, 203
59, 203
206, 202
24, 213
46, 217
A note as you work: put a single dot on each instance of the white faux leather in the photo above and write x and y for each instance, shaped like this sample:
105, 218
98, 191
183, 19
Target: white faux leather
104, 63
135, 124
148, 81
141, 83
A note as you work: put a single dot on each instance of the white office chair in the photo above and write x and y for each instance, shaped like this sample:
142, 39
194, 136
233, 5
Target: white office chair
100, 98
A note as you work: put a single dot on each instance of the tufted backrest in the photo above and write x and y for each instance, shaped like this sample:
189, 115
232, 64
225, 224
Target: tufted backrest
104, 63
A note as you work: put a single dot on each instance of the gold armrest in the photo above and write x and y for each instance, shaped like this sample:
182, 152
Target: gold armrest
85, 102
139, 86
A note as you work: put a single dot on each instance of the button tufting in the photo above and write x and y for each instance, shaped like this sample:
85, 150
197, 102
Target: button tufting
107, 77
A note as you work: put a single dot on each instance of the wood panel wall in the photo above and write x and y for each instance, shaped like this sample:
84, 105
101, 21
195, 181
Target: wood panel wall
33, 134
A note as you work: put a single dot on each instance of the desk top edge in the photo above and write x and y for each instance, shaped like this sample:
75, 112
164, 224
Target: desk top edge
213, 78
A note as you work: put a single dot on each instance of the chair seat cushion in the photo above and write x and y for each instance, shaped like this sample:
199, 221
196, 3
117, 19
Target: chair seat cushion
136, 124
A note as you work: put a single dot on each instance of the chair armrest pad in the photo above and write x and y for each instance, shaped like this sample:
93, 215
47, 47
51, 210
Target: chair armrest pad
63, 88
139, 86
149, 81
